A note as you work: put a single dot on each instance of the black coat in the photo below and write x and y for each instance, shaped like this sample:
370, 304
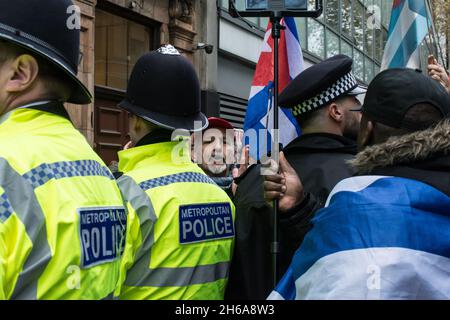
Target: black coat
320, 161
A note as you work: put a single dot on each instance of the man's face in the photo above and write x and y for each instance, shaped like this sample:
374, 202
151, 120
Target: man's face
352, 116
216, 151
365, 133
133, 125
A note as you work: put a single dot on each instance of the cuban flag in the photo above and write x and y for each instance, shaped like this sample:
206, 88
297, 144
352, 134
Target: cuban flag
407, 29
259, 116
378, 237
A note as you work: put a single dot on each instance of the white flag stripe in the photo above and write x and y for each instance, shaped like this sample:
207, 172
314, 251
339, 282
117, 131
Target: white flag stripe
402, 26
353, 184
275, 296
288, 131
414, 60
254, 90
295, 55
376, 273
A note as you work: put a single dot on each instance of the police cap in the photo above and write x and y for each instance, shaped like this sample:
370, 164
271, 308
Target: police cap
320, 84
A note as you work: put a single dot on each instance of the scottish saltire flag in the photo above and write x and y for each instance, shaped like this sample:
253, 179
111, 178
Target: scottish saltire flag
259, 114
407, 29
377, 238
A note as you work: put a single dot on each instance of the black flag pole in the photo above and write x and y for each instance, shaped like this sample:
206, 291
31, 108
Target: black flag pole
276, 10
276, 35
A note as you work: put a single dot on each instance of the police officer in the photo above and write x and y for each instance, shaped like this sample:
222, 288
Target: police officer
181, 224
324, 101
61, 212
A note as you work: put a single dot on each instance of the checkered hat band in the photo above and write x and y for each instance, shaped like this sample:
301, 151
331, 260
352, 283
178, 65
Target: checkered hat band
66, 169
343, 85
176, 178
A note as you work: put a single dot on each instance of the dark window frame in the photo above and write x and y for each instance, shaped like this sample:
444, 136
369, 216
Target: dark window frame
132, 16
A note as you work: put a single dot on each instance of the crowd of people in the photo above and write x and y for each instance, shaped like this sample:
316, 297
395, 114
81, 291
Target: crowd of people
187, 214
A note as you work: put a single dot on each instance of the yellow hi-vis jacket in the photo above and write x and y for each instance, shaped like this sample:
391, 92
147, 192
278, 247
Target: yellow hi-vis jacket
180, 230
62, 218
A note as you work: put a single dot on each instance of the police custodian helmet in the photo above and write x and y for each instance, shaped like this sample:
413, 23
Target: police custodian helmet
45, 28
164, 89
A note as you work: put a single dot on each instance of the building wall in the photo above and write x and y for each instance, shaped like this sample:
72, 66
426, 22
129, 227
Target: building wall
82, 115
342, 28
176, 21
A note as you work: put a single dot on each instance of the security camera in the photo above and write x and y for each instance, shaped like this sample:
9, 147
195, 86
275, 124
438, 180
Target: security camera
209, 48
132, 4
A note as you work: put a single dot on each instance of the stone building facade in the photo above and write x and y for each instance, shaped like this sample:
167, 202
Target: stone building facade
114, 34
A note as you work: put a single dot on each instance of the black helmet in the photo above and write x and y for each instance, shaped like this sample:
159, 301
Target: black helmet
47, 29
164, 89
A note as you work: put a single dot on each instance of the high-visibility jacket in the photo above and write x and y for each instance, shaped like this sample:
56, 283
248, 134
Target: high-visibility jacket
62, 218
180, 230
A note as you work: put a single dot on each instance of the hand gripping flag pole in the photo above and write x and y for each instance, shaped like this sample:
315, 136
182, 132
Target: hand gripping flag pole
276, 10
276, 34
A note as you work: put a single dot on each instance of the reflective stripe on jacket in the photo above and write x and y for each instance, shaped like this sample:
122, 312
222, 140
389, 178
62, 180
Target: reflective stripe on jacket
62, 217
180, 228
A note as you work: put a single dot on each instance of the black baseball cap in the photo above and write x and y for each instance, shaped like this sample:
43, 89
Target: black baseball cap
394, 91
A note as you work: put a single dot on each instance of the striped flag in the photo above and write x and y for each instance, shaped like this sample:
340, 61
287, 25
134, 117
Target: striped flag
259, 114
378, 237
407, 29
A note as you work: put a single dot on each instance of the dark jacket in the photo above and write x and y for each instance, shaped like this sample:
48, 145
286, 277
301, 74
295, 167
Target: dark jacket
320, 161
394, 214
422, 156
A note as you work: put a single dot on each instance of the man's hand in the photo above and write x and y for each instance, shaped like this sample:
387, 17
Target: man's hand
438, 73
244, 163
129, 145
285, 187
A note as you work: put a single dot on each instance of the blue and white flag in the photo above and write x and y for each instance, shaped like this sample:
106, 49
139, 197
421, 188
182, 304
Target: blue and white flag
377, 238
407, 29
259, 114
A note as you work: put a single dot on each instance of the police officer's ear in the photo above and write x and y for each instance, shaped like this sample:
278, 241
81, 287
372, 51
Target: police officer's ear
335, 112
23, 71
365, 135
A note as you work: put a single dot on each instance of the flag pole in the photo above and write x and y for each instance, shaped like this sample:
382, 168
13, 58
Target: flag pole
275, 19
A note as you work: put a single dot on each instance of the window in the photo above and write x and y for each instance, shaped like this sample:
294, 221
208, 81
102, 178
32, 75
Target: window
386, 8
358, 22
332, 44
346, 18
261, 23
358, 65
332, 14
301, 30
316, 38
378, 45
368, 43
376, 70
343, 28
347, 49
368, 70
119, 44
